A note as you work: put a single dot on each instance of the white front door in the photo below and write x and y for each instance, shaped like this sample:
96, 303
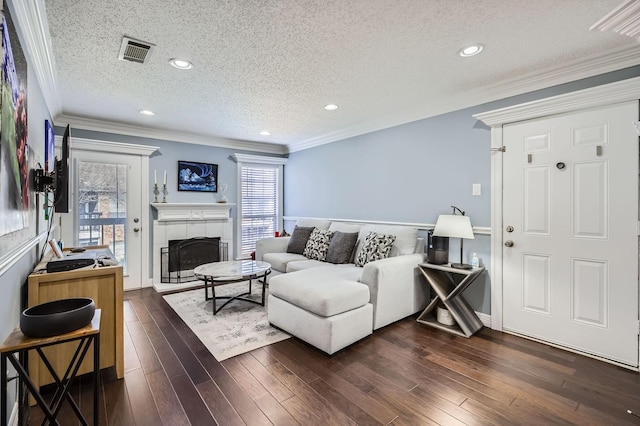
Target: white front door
108, 207
570, 207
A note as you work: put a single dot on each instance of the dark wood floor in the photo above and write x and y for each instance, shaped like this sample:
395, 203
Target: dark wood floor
404, 374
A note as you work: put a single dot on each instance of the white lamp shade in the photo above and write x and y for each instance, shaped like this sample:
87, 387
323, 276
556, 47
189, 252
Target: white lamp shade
455, 226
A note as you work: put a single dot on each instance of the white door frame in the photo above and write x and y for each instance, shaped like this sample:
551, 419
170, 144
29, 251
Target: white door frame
621, 91
144, 151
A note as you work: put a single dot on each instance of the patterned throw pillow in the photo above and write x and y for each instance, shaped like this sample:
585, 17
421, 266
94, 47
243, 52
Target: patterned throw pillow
318, 244
299, 239
375, 247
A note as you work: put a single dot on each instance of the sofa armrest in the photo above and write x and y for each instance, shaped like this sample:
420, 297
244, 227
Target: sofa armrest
396, 288
271, 245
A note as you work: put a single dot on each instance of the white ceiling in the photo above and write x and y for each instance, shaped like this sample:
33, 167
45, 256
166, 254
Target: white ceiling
273, 64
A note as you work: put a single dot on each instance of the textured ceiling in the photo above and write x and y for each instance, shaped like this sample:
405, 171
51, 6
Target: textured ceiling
274, 64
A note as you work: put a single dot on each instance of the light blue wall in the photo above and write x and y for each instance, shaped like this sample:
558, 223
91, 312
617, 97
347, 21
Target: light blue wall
412, 173
166, 158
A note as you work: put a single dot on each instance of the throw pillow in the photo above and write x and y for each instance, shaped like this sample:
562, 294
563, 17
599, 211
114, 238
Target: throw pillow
299, 238
318, 244
375, 247
341, 247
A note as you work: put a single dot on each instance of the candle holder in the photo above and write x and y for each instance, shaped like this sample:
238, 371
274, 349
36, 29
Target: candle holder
164, 193
156, 191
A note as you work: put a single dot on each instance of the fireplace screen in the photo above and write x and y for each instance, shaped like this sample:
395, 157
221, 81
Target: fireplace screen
181, 257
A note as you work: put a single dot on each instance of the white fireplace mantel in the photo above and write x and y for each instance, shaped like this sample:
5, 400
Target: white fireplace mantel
168, 212
177, 221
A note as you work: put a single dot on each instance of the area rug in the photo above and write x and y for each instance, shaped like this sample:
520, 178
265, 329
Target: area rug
238, 328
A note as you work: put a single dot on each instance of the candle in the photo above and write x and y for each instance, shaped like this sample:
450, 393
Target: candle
155, 176
165, 177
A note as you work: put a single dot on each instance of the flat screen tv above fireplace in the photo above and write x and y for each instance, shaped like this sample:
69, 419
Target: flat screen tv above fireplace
199, 177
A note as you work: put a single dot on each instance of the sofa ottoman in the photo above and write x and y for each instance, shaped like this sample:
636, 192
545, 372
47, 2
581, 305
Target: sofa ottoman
328, 314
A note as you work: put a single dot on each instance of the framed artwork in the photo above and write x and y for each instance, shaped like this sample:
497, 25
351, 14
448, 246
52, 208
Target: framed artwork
198, 177
14, 168
49, 147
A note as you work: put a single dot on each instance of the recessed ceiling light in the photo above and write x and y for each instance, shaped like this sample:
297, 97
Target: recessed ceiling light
331, 107
471, 50
146, 112
265, 133
181, 64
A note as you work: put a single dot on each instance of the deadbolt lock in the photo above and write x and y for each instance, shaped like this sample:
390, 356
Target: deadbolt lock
509, 228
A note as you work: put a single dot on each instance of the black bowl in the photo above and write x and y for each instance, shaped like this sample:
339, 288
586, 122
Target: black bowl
57, 317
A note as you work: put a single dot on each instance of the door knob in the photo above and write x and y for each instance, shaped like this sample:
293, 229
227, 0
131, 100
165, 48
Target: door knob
136, 229
508, 243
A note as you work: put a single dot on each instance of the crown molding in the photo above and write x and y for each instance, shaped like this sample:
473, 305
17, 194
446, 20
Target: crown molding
31, 20
259, 159
623, 20
619, 91
146, 132
551, 76
108, 146
577, 70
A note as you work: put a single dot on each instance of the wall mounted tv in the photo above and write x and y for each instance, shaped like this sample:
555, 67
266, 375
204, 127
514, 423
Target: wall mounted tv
61, 176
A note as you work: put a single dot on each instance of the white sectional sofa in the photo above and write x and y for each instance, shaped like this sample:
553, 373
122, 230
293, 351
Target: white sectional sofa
334, 305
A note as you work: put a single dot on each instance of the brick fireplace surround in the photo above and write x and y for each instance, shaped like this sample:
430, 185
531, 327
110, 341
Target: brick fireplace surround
177, 221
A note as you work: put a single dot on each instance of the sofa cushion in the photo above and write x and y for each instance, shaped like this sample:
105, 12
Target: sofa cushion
299, 265
318, 244
405, 242
375, 247
341, 247
279, 261
344, 227
299, 238
318, 295
314, 223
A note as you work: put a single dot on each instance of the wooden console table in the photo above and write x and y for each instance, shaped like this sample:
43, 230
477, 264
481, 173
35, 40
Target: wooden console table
441, 280
102, 284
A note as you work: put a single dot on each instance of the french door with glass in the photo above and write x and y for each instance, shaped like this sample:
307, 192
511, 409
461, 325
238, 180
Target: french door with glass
108, 207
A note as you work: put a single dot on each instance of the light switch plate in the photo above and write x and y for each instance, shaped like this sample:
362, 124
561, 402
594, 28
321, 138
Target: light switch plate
476, 189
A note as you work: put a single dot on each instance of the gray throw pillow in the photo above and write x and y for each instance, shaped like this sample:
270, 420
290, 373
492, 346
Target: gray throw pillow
341, 247
299, 238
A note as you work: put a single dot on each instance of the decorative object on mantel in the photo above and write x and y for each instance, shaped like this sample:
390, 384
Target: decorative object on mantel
455, 226
164, 192
238, 328
156, 191
223, 188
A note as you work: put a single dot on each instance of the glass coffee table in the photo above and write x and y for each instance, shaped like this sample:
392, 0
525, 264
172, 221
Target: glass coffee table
222, 273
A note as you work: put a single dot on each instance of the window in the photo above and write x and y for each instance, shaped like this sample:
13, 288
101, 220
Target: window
260, 199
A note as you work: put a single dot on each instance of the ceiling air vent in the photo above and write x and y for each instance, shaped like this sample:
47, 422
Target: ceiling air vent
135, 50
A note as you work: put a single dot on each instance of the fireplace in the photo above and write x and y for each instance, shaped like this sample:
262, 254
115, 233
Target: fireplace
182, 221
181, 257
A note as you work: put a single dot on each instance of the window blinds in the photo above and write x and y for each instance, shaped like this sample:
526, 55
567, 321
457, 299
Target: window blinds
259, 204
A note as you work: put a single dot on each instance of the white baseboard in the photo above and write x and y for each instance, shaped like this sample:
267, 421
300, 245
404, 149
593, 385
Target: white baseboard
13, 419
485, 318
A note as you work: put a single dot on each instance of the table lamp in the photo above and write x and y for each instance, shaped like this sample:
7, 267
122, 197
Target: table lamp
455, 226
